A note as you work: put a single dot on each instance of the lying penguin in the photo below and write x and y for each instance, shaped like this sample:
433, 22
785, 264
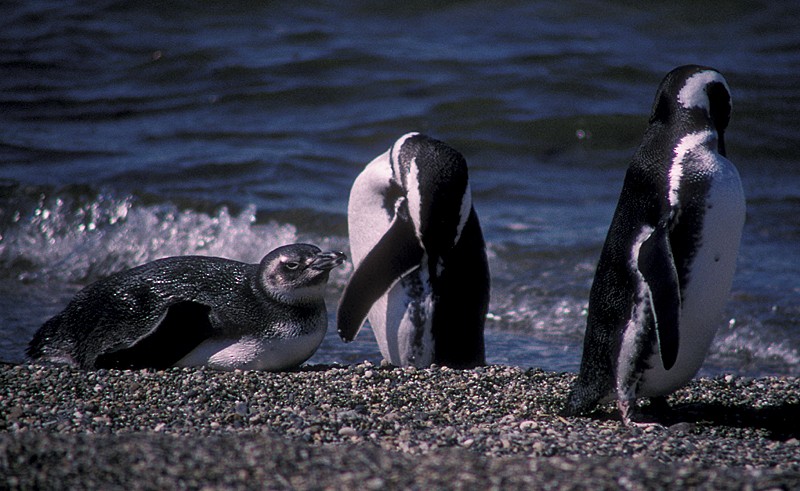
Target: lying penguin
193, 311
421, 272
666, 268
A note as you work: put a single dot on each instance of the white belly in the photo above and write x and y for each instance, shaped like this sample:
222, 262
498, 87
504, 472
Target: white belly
707, 290
250, 353
389, 316
395, 331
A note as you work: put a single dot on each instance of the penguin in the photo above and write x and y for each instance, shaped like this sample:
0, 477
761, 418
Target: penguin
421, 271
666, 268
196, 311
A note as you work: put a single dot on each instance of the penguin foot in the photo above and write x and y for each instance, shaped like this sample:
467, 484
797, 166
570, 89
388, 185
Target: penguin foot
627, 410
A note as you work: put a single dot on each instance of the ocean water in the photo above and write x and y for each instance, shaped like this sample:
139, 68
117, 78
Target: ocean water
131, 131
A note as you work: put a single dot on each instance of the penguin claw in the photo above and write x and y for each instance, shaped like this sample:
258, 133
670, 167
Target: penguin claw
627, 409
644, 425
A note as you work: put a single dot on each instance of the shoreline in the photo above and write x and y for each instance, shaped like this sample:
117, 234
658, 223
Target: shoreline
366, 426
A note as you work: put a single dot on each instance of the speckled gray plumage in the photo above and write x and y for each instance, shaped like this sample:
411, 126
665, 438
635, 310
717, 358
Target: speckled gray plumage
155, 314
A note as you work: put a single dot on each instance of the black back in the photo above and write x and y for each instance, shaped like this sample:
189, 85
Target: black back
462, 301
184, 327
644, 200
104, 320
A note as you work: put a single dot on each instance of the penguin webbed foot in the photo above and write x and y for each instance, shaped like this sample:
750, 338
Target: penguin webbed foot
632, 418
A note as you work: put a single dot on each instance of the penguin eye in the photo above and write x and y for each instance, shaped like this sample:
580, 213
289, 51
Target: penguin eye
292, 265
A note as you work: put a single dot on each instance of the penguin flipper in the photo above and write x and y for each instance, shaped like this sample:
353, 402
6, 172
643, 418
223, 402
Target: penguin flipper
395, 254
657, 265
182, 328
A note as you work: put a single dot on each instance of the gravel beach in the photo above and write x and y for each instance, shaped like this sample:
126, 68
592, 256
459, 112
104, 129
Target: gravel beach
371, 427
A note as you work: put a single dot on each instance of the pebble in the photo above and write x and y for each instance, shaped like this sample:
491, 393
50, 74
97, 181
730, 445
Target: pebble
490, 417
348, 431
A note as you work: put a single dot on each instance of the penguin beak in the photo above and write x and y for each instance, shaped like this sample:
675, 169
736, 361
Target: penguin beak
325, 261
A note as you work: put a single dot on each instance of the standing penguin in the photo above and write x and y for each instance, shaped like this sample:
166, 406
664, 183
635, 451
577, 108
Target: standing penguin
194, 310
667, 265
421, 269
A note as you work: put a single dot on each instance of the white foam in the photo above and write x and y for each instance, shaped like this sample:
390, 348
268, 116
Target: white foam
744, 345
67, 241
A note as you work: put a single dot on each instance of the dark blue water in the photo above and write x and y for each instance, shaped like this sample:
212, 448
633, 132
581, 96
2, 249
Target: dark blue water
136, 130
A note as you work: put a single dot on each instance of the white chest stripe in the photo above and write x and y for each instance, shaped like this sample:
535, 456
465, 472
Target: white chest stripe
466, 207
689, 143
635, 327
395, 152
414, 198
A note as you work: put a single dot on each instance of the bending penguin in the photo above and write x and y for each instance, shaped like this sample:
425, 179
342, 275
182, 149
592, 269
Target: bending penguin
666, 268
421, 272
193, 311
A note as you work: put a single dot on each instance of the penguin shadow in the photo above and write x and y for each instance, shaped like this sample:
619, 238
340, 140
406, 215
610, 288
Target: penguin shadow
781, 422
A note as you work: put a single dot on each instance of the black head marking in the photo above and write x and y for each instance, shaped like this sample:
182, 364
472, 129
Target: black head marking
666, 107
692, 87
720, 104
692, 98
439, 177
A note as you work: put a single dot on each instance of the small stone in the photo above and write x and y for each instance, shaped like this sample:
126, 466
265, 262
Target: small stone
347, 431
14, 413
374, 483
681, 428
242, 409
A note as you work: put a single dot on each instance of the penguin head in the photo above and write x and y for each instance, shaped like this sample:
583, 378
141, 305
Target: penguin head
434, 182
694, 97
297, 273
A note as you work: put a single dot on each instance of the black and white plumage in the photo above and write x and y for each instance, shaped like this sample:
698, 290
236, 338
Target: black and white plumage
194, 311
421, 274
667, 265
